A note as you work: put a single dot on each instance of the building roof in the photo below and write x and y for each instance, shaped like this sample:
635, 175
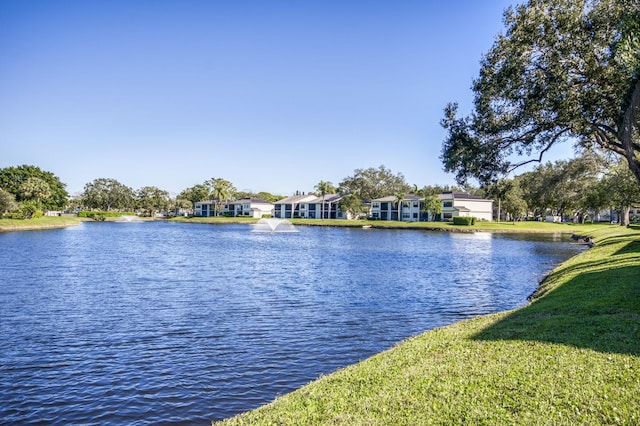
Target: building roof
328, 198
294, 199
250, 201
466, 196
393, 198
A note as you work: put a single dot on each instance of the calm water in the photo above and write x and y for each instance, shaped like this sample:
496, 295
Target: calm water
161, 323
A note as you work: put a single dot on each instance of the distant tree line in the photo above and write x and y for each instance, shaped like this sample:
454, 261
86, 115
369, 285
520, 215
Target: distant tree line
578, 189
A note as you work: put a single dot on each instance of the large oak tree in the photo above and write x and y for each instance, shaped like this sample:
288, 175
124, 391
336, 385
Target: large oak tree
374, 183
28, 183
564, 70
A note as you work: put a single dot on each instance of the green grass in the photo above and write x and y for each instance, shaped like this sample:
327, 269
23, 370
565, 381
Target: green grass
37, 223
572, 356
568, 228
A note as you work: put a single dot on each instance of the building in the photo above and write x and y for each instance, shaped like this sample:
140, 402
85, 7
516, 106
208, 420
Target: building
294, 206
247, 207
411, 209
309, 207
467, 205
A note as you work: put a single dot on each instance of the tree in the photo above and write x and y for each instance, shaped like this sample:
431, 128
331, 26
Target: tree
353, 205
564, 70
559, 186
622, 189
12, 178
180, 204
373, 183
594, 200
437, 189
510, 197
324, 188
400, 201
7, 201
513, 202
107, 194
34, 189
432, 205
152, 199
267, 196
194, 194
221, 191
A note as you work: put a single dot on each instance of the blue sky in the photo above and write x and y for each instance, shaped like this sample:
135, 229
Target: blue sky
271, 95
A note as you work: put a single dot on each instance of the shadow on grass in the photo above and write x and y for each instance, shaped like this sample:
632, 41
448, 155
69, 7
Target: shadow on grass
632, 248
598, 310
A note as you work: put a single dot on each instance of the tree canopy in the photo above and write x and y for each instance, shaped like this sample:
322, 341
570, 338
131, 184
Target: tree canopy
30, 183
107, 194
564, 70
374, 183
152, 199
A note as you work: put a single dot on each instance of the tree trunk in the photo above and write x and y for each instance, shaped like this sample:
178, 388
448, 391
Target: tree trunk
624, 216
626, 132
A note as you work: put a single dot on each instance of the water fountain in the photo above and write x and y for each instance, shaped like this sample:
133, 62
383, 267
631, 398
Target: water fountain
128, 218
274, 225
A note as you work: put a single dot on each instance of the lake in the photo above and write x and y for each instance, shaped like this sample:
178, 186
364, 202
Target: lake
169, 323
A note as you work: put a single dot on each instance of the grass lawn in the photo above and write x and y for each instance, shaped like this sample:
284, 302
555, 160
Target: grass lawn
37, 223
572, 356
568, 228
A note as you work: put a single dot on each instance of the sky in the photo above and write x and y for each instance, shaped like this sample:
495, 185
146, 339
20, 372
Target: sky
273, 96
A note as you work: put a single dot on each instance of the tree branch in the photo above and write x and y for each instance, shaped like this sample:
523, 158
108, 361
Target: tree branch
542, 152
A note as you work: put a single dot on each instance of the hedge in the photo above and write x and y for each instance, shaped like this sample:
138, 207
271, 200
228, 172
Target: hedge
463, 220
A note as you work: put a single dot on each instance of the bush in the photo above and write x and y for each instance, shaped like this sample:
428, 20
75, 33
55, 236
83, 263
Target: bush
29, 210
462, 220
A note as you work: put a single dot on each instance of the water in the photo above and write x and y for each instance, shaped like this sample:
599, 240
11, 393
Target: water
163, 323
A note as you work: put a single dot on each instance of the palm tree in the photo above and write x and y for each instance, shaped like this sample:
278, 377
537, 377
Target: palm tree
221, 191
324, 187
399, 202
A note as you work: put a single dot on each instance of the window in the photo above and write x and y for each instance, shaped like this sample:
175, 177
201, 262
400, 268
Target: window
415, 204
447, 204
375, 205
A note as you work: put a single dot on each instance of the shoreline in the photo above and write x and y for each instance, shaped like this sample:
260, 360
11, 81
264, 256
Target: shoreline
577, 230
531, 365
43, 223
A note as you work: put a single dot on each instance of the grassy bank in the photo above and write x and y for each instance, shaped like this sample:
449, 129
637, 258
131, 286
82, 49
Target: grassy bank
566, 228
570, 357
37, 223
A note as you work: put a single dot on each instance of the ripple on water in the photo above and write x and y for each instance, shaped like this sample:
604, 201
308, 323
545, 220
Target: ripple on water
148, 323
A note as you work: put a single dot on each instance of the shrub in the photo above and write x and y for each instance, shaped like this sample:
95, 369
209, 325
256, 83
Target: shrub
462, 220
28, 210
